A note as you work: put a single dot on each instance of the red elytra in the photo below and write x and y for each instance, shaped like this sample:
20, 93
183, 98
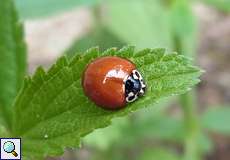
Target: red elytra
104, 81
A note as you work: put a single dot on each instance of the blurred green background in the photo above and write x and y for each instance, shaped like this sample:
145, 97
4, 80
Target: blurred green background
194, 126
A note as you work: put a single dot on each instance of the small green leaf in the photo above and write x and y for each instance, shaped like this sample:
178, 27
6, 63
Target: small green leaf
12, 57
161, 127
215, 118
205, 143
51, 111
104, 138
158, 154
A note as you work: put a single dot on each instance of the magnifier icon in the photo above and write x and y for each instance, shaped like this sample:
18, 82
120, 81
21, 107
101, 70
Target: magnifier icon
9, 147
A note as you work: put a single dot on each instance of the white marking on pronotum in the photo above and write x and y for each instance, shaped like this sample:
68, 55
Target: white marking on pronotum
135, 76
128, 100
142, 91
143, 85
131, 94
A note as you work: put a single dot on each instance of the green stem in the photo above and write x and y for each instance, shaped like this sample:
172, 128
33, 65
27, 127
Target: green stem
188, 105
97, 15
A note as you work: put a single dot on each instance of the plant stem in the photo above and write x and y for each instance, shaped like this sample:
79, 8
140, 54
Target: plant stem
189, 106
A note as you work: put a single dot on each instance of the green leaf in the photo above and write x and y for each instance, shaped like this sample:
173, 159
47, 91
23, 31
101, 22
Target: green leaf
205, 143
134, 128
35, 8
12, 57
143, 23
104, 138
161, 127
100, 36
51, 111
215, 118
158, 154
223, 5
184, 27
3, 131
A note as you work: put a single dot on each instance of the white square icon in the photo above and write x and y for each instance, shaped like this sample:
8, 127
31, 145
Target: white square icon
10, 149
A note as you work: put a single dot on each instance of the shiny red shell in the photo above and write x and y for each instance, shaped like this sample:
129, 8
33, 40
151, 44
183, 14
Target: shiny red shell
103, 81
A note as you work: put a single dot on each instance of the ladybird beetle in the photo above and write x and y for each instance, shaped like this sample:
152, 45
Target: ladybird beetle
111, 82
